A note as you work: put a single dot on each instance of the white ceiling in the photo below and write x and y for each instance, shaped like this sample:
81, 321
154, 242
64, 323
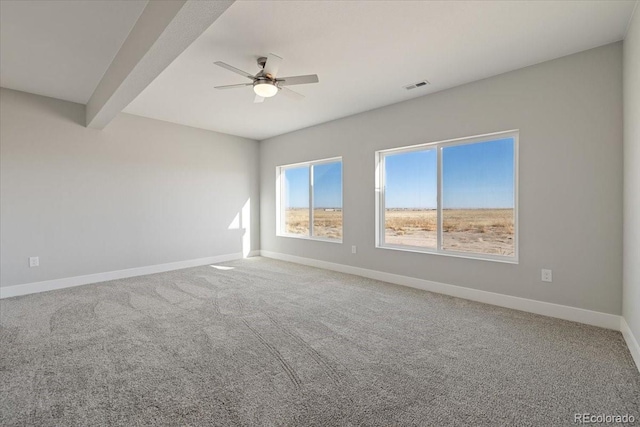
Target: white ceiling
364, 53
61, 49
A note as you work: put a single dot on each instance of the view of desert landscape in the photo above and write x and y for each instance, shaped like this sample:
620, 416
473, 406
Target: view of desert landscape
488, 231
327, 223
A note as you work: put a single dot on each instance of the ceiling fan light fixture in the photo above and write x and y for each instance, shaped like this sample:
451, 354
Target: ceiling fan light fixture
265, 88
265, 84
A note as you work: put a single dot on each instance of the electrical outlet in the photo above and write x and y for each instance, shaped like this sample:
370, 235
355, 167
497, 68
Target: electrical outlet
354, 249
546, 275
34, 261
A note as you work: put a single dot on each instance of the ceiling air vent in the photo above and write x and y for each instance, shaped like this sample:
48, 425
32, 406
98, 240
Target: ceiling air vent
416, 85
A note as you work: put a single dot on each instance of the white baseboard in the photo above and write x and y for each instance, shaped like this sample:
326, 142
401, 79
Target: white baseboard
589, 317
632, 342
49, 285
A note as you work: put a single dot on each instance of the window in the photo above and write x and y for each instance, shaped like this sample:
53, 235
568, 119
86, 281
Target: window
454, 197
310, 200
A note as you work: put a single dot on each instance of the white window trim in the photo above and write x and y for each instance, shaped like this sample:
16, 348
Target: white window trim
280, 225
438, 145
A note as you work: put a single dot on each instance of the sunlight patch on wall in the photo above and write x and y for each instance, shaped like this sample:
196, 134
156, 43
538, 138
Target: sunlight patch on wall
235, 224
245, 224
242, 221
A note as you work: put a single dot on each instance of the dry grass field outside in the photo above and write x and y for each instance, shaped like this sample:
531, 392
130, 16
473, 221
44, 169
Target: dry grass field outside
327, 223
487, 231
411, 227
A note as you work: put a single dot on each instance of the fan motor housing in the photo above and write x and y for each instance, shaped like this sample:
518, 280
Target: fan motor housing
264, 80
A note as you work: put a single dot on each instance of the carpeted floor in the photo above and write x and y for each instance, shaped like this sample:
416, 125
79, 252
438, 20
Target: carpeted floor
264, 342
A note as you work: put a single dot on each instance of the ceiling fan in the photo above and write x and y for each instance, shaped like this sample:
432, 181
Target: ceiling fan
265, 84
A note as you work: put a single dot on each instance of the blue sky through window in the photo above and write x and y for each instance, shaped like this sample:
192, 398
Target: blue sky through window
327, 188
296, 187
411, 180
327, 185
478, 175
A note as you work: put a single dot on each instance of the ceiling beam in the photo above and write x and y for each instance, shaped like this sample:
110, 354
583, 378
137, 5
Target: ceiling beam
163, 31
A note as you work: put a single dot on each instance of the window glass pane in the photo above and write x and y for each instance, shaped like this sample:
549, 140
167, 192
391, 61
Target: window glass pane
295, 202
410, 198
478, 197
327, 200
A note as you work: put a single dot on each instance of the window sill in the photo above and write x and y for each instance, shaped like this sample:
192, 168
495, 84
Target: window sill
453, 254
317, 239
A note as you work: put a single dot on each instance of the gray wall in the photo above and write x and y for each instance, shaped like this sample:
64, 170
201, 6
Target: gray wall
141, 192
569, 112
631, 309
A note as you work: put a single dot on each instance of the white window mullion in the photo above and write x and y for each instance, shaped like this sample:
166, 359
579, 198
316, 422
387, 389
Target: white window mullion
382, 211
281, 197
439, 198
310, 200
516, 185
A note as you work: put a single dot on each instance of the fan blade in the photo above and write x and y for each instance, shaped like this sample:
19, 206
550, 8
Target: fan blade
258, 99
272, 65
291, 94
234, 69
233, 86
298, 80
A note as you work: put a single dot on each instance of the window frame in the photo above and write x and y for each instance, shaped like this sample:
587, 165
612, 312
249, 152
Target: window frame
280, 183
438, 146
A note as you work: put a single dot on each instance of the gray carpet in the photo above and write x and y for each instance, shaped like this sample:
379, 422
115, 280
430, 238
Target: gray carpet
273, 343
